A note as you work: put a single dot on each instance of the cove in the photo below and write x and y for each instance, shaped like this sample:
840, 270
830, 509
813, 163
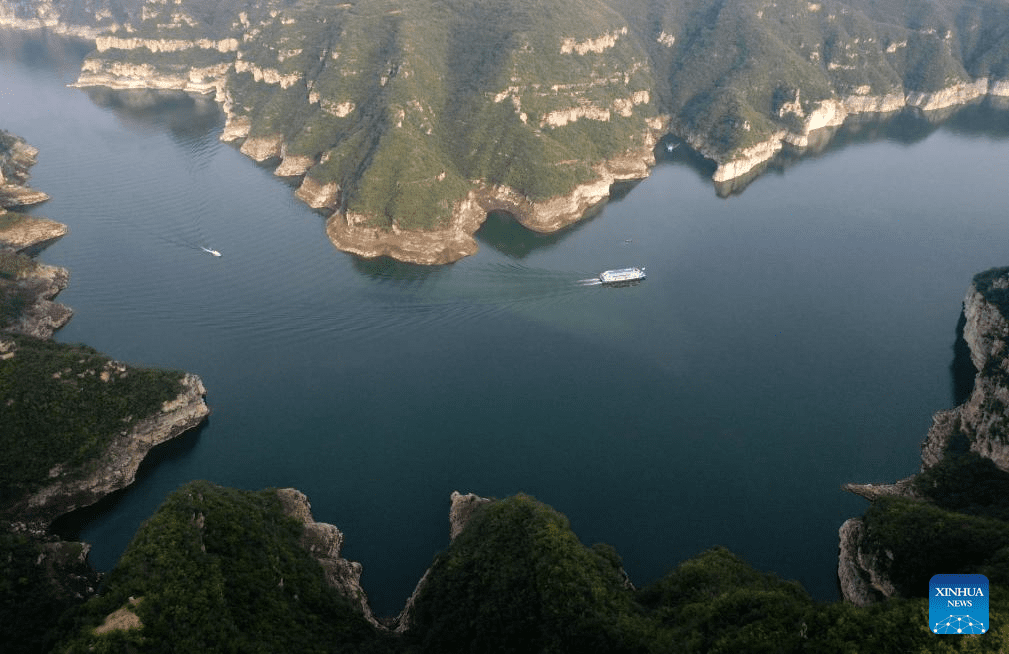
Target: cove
788, 339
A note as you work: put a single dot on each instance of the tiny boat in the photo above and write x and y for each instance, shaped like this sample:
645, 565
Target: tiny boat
622, 275
209, 251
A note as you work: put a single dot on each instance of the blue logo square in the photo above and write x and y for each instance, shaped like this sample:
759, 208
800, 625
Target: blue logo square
958, 604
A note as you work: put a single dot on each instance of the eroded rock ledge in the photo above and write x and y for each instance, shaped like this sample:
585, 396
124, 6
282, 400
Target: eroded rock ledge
935, 106
117, 468
16, 158
34, 285
324, 541
459, 514
979, 425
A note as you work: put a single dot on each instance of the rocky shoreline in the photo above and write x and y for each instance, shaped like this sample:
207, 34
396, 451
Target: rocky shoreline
980, 425
349, 231
213, 62
816, 132
34, 285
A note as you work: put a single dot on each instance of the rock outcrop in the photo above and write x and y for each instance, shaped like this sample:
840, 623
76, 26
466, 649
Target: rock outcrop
26, 233
16, 158
816, 127
980, 425
68, 490
34, 290
983, 421
324, 541
459, 514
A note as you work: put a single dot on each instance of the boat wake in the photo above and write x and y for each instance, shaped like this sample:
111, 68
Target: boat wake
591, 281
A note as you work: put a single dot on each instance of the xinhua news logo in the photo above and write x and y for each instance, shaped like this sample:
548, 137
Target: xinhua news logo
958, 604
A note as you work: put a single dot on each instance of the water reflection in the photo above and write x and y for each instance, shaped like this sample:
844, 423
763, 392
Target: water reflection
961, 370
989, 117
387, 269
506, 235
176, 450
44, 53
187, 117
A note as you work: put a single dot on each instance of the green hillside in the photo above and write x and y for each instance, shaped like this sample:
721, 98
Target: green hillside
222, 570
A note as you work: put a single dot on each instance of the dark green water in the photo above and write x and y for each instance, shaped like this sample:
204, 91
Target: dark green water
787, 340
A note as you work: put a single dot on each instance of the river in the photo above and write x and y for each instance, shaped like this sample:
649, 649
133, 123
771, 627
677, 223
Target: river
788, 339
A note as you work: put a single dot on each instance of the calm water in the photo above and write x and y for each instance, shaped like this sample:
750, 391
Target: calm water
787, 340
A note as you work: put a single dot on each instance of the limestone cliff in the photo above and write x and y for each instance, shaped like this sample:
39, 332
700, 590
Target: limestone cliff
16, 158
68, 489
460, 512
323, 541
27, 233
983, 421
31, 292
980, 425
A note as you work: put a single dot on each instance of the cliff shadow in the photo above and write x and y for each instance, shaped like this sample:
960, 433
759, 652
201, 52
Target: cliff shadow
70, 525
961, 370
505, 234
385, 268
907, 127
43, 51
187, 117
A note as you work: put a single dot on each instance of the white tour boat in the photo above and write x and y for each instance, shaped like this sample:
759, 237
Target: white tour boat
622, 275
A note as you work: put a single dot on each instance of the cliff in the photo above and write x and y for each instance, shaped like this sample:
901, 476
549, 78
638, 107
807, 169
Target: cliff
27, 289
979, 427
68, 488
323, 541
76, 425
16, 158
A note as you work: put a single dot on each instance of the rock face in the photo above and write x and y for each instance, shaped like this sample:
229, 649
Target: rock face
28, 233
39, 316
117, 468
981, 424
16, 158
25, 283
459, 514
462, 510
323, 541
983, 421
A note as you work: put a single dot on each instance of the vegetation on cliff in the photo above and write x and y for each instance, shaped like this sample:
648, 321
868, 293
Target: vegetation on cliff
61, 406
40, 581
218, 569
405, 108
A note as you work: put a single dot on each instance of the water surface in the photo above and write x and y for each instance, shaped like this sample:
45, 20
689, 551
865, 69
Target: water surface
788, 339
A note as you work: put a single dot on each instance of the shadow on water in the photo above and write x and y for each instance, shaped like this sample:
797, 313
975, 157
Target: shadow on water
909, 127
962, 371
187, 117
387, 269
70, 526
506, 235
44, 52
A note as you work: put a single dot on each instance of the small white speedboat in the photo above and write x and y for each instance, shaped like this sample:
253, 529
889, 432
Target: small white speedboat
209, 251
